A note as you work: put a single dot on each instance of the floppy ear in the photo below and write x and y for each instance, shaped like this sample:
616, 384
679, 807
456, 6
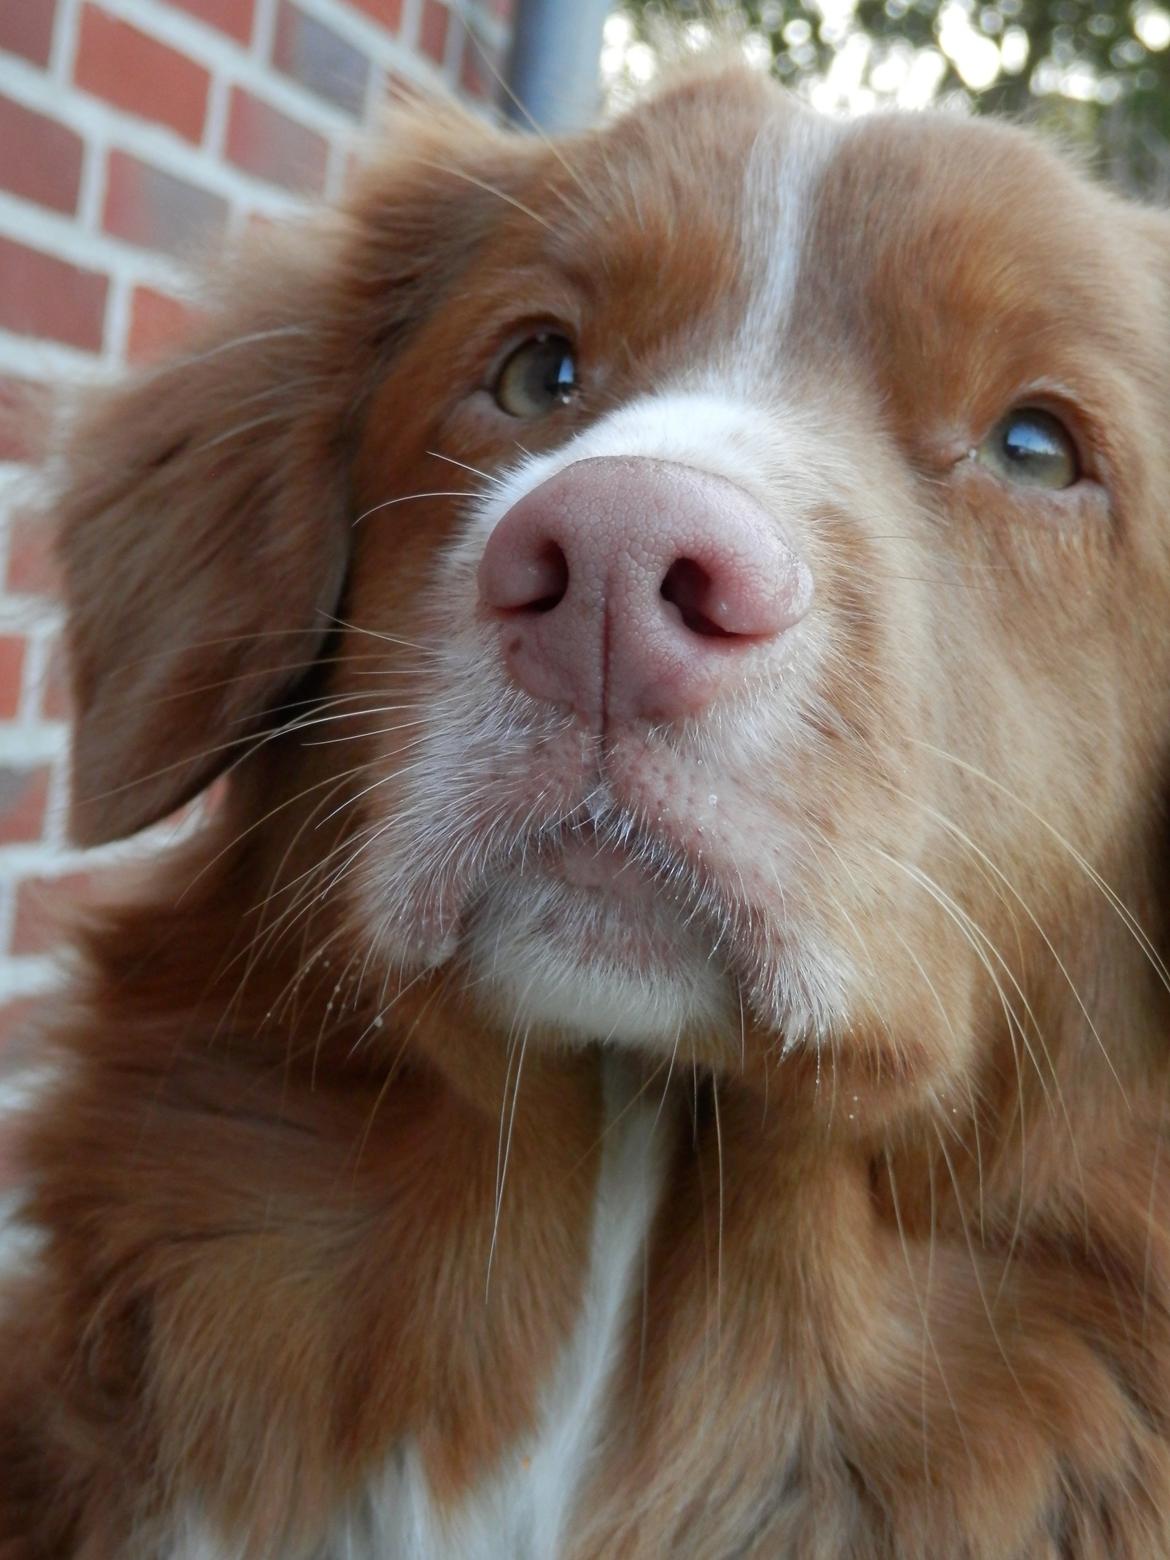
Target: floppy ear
204, 509
202, 541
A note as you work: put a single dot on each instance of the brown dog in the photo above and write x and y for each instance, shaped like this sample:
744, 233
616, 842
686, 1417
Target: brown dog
662, 1048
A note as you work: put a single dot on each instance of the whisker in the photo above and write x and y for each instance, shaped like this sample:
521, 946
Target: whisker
965, 840
1126, 915
975, 936
364, 736
486, 476
549, 142
488, 189
503, 1168
373, 633
407, 498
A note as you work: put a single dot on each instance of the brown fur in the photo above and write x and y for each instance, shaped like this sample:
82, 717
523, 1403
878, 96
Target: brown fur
906, 1299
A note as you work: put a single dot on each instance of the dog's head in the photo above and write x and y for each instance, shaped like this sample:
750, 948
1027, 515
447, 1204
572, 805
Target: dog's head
713, 571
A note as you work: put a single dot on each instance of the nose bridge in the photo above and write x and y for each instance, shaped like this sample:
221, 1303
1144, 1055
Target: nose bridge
623, 548
625, 587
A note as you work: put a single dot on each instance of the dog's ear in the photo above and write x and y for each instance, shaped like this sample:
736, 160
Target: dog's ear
202, 544
204, 509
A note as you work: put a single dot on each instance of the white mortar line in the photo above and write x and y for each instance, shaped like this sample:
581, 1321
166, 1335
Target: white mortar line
117, 326
23, 614
7, 515
35, 661
411, 25
216, 123
25, 746
25, 975
66, 35
264, 32
57, 809
50, 362
7, 921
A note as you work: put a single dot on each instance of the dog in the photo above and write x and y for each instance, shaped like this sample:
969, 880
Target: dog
661, 1043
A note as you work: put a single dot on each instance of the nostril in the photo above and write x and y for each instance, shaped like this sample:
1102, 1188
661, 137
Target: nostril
687, 586
534, 584
553, 568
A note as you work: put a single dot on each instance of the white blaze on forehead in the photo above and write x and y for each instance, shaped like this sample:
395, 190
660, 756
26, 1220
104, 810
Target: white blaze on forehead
781, 180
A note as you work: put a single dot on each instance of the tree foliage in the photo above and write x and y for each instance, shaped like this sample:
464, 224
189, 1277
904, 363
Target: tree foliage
1097, 69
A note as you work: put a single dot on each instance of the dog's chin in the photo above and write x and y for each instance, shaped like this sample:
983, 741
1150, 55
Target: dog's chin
589, 945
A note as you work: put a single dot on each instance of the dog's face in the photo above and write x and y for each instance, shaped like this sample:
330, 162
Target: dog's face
726, 557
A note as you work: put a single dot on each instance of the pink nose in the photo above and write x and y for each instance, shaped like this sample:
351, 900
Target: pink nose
633, 588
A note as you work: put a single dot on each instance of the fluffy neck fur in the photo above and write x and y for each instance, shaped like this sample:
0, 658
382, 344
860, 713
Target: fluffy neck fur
289, 1225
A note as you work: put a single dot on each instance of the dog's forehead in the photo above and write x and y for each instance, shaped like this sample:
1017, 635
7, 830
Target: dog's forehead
941, 208
943, 233
972, 217
733, 145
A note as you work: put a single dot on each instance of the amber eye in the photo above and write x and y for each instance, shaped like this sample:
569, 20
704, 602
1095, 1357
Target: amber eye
538, 377
1031, 448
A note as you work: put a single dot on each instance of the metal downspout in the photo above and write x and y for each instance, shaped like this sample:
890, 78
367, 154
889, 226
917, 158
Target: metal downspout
554, 65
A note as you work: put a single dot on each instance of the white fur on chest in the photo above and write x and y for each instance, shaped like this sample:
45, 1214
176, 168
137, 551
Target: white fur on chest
524, 1511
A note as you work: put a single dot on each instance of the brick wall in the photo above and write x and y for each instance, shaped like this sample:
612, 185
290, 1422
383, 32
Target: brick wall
134, 134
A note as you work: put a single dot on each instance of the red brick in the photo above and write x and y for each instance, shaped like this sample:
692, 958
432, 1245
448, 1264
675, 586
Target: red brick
24, 798
42, 906
54, 703
42, 158
388, 13
136, 72
43, 296
432, 32
146, 206
233, 17
12, 655
319, 59
22, 409
26, 28
267, 143
30, 564
157, 323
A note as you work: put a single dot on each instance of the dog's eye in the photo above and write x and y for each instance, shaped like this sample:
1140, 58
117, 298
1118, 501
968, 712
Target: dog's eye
1031, 448
537, 378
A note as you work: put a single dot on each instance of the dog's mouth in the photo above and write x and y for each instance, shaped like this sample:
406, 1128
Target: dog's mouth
631, 899
612, 871
599, 929
599, 921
